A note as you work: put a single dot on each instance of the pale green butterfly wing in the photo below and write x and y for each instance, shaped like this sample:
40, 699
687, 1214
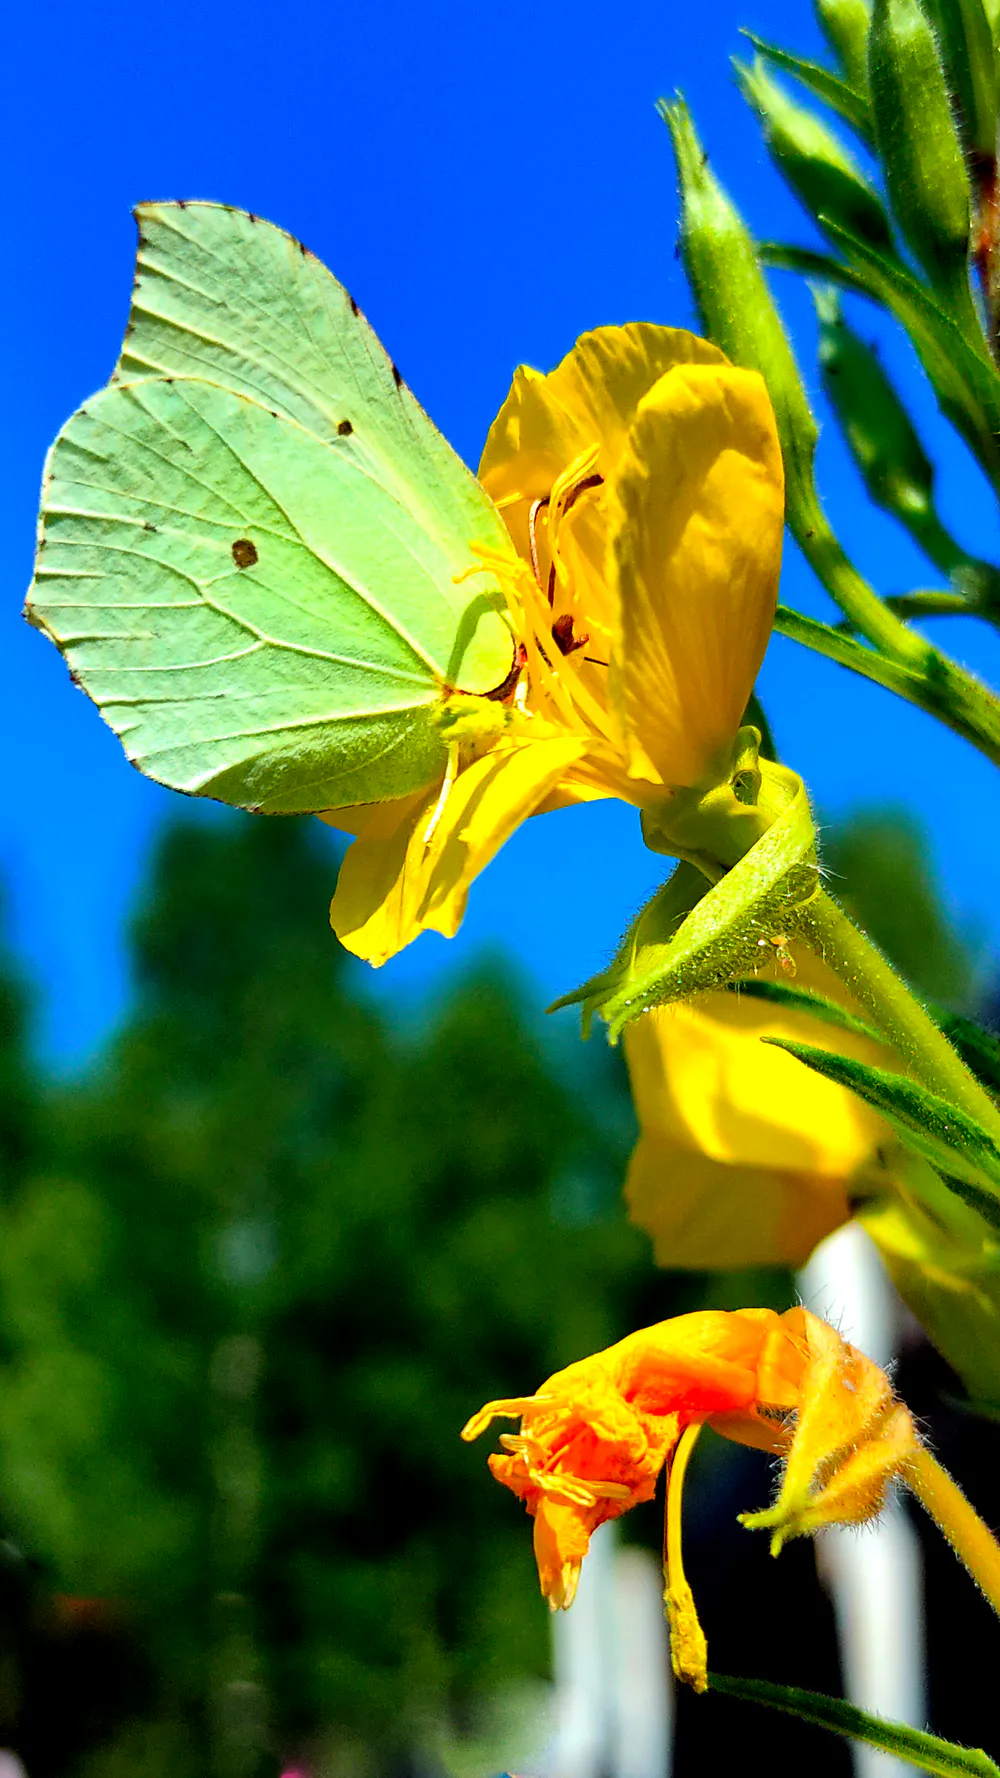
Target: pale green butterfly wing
261, 599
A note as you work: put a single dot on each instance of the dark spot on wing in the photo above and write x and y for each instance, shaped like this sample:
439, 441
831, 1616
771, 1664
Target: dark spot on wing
345, 429
147, 526
252, 217
398, 376
354, 307
244, 553
182, 203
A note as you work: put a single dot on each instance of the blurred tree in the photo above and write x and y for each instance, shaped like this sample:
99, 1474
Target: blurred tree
275, 1256
254, 1274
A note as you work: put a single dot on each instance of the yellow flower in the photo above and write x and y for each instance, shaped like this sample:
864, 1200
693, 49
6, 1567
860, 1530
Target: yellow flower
595, 1436
746, 1156
641, 484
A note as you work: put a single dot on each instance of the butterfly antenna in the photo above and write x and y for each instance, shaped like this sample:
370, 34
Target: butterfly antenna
450, 774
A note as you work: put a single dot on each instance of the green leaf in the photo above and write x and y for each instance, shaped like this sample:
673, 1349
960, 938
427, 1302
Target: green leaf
929, 1752
933, 684
814, 161
959, 1148
850, 103
978, 1048
845, 25
688, 940
782, 256
805, 1000
919, 147
966, 43
964, 380
881, 437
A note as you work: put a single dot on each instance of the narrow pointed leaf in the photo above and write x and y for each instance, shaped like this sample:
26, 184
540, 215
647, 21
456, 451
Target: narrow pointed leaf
845, 25
804, 1000
934, 684
966, 44
958, 1147
846, 100
880, 434
964, 380
978, 1048
813, 160
783, 256
928, 1752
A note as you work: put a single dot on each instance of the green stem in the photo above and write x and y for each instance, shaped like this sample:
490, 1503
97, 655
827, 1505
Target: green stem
910, 1030
858, 601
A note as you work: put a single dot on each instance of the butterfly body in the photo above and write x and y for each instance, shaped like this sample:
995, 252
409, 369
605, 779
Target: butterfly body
256, 552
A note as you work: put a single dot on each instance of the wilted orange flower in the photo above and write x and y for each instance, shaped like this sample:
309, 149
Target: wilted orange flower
595, 1437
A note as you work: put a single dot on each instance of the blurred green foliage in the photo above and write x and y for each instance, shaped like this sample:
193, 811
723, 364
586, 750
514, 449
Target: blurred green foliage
256, 1269
253, 1279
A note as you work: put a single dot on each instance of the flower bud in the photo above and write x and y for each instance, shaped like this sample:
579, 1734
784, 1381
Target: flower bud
919, 146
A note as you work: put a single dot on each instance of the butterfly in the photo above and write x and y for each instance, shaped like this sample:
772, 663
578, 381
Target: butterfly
258, 555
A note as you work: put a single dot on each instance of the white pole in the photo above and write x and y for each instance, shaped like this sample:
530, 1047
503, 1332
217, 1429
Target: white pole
875, 1574
611, 1657
642, 1727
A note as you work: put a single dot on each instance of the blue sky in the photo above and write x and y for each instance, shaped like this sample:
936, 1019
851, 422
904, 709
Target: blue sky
489, 182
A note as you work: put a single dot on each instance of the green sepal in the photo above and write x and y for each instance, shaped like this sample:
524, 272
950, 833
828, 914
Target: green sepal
813, 161
845, 25
650, 935
715, 827
684, 943
881, 437
849, 102
958, 1147
916, 1746
967, 51
818, 1006
918, 145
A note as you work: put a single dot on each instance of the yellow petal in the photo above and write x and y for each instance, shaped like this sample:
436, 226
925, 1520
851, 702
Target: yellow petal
546, 422
703, 1080
590, 398
705, 1215
695, 513
746, 1157
394, 884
